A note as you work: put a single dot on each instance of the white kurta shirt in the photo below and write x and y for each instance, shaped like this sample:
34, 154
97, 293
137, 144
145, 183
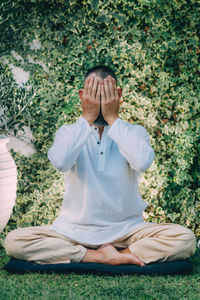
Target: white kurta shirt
102, 201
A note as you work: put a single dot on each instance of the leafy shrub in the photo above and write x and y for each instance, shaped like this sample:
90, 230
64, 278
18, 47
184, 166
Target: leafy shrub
153, 47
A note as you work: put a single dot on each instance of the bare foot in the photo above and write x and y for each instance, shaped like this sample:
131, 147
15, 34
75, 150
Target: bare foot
111, 256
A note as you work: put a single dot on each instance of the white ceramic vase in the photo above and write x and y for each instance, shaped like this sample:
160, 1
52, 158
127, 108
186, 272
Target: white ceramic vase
8, 183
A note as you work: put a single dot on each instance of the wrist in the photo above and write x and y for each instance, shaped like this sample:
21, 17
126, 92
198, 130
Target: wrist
89, 120
111, 121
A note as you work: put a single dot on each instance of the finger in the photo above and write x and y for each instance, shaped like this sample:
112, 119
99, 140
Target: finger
111, 87
94, 87
106, 87
90, 85
115, 89
86, 85
103, 96
98, 95
114, 81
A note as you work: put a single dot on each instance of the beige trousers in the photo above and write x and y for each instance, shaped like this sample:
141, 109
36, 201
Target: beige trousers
150, 242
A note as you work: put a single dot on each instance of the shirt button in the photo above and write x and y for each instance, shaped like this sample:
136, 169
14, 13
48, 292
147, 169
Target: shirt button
98, 142
101, 152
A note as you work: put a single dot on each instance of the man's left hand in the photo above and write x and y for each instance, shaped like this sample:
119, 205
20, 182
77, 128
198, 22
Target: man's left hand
109, 100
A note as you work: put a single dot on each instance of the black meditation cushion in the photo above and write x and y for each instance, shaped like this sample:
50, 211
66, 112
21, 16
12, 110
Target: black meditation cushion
160, 268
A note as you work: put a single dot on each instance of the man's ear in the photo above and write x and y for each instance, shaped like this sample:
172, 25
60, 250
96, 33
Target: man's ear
80, 93
119, 92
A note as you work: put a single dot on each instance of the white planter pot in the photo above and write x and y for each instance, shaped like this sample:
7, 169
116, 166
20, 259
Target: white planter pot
8, 183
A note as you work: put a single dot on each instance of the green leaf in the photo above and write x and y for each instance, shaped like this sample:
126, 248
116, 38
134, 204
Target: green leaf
103, 18
95, 5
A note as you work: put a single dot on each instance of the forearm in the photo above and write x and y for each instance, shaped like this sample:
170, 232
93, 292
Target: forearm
133, 143
68, 143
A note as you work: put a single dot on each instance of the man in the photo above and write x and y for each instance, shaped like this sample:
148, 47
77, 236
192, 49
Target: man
101, 218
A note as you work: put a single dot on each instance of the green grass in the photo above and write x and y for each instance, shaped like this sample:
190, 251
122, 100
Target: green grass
88, 286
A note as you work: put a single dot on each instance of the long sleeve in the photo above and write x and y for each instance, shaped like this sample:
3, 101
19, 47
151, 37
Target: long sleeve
134, 145
68, 142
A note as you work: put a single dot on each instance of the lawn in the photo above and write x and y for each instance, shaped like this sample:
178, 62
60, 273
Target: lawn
73, 286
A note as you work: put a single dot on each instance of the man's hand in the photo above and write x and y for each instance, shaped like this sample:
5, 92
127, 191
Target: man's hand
110, 100
91, 99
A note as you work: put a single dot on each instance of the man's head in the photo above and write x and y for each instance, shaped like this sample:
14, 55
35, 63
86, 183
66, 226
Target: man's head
101, 72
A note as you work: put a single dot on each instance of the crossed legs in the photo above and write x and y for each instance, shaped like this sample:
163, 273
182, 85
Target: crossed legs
148, 243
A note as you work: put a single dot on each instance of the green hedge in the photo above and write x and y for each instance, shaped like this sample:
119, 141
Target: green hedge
154, 48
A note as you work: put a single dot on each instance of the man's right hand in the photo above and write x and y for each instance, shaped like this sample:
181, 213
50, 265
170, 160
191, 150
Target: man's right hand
91, 99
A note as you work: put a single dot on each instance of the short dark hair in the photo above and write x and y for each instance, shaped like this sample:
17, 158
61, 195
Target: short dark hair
101, 71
